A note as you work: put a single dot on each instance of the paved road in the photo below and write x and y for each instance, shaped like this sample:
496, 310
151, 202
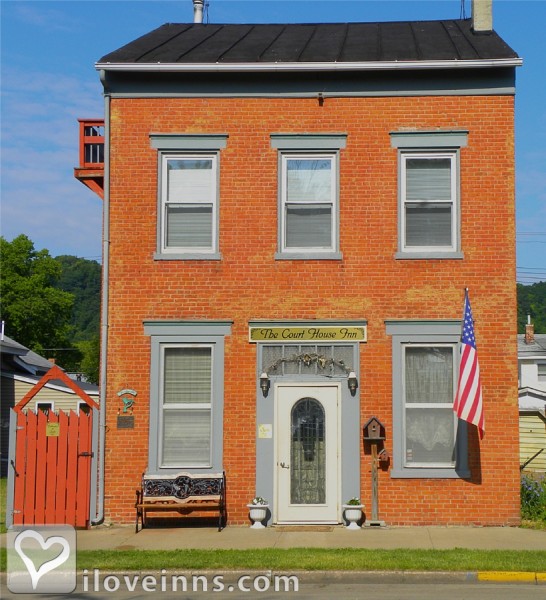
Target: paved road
303, 586
339, 591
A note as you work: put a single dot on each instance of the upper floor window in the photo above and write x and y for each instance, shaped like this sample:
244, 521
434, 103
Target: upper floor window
309, 202
308, 223
429, 195
188, 203
428, 202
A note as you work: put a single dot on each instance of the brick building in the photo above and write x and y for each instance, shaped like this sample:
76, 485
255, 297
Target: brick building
292, 213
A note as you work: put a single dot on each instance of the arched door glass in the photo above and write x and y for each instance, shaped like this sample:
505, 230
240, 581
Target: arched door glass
308, 453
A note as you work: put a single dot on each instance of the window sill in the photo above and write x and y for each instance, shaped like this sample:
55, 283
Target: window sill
423, 473
429, 255
309, 256
187, 256
170, 471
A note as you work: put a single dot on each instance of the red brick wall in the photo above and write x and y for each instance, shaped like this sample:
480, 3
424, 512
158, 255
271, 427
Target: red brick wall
368, 284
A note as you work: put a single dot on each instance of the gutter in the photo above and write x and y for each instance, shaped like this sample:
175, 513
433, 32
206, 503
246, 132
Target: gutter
104, 313
314, 66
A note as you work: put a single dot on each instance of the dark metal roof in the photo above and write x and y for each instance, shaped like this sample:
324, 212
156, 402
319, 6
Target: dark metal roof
187, 44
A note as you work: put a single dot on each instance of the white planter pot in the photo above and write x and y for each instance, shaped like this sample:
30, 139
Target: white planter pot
258, 513
353, 514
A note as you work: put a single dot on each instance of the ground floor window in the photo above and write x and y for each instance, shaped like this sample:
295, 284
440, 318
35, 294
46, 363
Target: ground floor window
186, 395
428, 440
429, 420
186, 406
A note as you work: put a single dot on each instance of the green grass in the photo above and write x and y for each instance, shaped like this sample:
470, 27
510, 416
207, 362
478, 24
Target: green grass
311, 559
303, 559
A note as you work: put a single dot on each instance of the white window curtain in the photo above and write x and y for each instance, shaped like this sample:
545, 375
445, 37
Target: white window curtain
429, 417
187, 393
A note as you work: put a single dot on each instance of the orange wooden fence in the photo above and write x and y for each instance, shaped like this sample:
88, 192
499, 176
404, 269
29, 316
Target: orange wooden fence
52, 465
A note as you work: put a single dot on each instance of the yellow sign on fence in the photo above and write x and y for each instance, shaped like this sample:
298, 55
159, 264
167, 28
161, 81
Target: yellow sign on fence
52, 429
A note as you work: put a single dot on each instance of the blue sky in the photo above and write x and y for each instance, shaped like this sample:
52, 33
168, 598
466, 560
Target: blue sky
48, 53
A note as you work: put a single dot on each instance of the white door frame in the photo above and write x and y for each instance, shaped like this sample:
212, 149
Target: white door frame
333, 480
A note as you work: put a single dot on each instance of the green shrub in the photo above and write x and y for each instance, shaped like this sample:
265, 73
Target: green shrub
533, 498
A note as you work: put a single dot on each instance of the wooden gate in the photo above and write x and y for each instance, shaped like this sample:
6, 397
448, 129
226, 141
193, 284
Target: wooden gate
53, 468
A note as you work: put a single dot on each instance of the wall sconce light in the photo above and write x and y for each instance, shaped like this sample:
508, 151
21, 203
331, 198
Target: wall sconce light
265, 384
352, 382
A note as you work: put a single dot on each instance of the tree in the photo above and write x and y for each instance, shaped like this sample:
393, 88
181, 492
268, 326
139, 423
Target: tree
82, 278
36, 313
90, 362
532, 301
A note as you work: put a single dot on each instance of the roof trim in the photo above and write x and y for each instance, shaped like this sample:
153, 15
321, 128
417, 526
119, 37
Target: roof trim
312, 66
48, 385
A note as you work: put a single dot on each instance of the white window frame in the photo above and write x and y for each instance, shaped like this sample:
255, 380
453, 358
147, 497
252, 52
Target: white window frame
51, 404
183, 406
308, 145
541, 371
425, 405
185, 145
452, 202
82, 405
431, 144
423, 333
332, 157
166, 202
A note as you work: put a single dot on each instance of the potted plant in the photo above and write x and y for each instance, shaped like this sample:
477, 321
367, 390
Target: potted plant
353, 512
258, 512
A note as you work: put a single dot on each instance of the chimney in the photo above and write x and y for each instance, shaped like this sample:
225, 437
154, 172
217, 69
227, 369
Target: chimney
529, 331
482, 16
198, 11
52, 360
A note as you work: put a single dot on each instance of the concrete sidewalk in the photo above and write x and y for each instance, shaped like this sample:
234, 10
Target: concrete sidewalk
238, 537
233, 537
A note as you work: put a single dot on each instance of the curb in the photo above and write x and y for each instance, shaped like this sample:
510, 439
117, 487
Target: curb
425, 577
348, 577
512, 576
361, 577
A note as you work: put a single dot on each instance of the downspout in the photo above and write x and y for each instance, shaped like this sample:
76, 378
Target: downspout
104, 308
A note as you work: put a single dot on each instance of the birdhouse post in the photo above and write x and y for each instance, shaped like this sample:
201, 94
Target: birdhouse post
374, 434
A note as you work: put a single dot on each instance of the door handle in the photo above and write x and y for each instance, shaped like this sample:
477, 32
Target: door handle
284, 465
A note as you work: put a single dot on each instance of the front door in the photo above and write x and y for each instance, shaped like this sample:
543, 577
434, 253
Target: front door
307, 482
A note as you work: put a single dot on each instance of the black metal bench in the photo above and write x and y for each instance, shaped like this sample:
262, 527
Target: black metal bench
183, 494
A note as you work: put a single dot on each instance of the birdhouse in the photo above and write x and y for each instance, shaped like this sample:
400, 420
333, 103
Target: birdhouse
373, 430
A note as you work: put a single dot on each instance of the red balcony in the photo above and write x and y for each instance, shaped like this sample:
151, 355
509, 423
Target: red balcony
91, 169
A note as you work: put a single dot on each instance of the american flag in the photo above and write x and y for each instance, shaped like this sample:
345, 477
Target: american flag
468, 403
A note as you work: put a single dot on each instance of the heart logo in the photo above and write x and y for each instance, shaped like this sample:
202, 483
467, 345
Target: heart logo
45, 544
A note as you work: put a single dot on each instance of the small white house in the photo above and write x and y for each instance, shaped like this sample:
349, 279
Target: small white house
532, 399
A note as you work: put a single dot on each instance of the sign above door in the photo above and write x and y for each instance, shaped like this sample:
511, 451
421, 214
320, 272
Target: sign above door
308, 333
